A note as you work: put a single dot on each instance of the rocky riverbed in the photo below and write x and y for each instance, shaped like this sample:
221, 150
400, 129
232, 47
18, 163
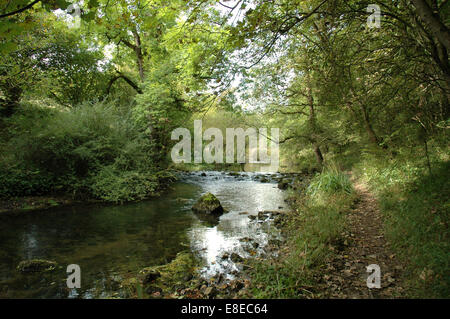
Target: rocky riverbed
159, 248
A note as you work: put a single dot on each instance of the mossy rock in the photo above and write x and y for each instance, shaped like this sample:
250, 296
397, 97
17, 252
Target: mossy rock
284, 184
236, 258
36, 265
150, 276
208, 204
165, 277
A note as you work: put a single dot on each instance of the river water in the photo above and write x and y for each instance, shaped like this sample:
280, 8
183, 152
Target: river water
109, 242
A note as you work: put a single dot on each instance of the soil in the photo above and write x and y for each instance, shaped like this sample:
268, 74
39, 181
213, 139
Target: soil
364, 244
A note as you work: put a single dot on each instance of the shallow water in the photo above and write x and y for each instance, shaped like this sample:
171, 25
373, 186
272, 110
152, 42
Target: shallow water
112, 242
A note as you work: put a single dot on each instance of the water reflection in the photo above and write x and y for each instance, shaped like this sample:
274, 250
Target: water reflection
237, 195
110, 241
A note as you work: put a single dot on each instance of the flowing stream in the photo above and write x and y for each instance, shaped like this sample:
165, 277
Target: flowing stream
110, 241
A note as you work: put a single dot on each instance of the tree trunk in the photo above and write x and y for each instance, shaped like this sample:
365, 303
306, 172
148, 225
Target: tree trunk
139, 55
9, 104
319, 156
369, 129
436, 26
312, 123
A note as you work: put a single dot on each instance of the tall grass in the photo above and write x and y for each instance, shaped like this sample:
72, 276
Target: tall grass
416, 208
314, 231
330, 181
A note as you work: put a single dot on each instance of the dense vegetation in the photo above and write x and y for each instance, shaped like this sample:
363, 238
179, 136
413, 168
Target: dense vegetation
87, 106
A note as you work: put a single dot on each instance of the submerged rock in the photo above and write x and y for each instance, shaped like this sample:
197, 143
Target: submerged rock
236, 258
210, 292
225, 256
284, 184
262, 215
36, 265
245, 239
208, 204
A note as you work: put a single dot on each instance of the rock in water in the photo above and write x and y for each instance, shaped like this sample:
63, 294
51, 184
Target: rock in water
150, 276
236, 258
210, 292
283, 184
36, 265
208, 204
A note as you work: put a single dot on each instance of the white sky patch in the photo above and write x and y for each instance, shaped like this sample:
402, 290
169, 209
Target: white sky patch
225, 7
72, 15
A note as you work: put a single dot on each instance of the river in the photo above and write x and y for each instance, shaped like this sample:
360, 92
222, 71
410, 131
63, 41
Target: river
108, 241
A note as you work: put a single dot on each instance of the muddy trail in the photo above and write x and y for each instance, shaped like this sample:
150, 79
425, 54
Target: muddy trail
364, 244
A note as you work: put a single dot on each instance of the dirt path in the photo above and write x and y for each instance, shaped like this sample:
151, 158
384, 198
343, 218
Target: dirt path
364, 244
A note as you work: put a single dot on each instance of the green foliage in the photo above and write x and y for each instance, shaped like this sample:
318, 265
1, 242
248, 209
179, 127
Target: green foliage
114, 185
331, 181
416, 209
51, 61
94, 149
314, 230
20, 181
341, 92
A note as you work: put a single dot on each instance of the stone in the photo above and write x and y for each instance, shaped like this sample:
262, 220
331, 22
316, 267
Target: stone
236, 258
210, 292
208, 204
150, 276
36, 265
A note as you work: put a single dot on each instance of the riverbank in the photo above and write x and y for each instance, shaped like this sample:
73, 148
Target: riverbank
335, 232
35, 203
22, 204
389, 215
314, 232
332, 227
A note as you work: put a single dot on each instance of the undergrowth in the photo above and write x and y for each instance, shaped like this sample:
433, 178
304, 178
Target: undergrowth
314, 228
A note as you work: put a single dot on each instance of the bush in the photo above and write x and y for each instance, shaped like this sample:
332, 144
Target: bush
94, 150
19, 181
330, 181
114, 185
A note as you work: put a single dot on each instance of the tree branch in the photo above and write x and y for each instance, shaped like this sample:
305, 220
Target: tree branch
437, 28
126, 79
19, 10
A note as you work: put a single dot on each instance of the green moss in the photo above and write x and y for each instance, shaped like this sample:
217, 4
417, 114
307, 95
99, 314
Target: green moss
171, 275
209, 199
208, 204
36, 265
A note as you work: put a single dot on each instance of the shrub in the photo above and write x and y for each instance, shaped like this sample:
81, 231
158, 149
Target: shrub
330, 181
115, 185
94, 150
